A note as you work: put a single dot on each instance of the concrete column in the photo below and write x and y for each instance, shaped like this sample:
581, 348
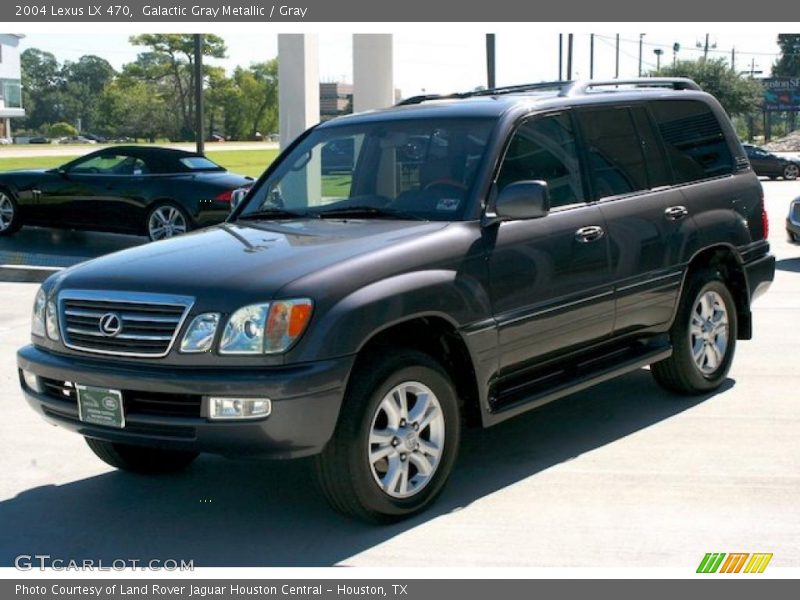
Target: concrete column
373, 73
298, 84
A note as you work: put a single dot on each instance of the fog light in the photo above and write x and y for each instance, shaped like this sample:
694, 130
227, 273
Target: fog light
239, 408
31, 381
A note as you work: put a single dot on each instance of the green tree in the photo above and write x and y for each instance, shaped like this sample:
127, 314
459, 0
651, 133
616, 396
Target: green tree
738, 95
40, 79
83, 82
258, 96
57, 130
132, 108
169, 64
788, 65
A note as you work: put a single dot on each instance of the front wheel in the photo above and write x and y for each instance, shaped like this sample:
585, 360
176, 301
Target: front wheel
703, 337
9, 214
396, 440
140, 459
791, 171
166, 220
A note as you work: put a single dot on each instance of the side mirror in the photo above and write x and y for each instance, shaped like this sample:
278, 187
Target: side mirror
237, 196
523, 200
62, 172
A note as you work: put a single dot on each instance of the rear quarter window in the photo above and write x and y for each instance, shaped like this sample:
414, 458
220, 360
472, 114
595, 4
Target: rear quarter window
695, 143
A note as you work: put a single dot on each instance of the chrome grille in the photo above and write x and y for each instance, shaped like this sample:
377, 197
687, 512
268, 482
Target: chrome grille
146, 324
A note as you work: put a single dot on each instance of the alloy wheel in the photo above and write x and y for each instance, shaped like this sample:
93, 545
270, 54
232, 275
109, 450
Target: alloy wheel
708, 330
6, 212
406, 439
165, 222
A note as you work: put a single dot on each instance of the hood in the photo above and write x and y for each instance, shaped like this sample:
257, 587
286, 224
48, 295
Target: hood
252, 260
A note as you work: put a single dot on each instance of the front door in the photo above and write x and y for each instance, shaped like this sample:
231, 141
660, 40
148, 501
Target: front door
549, 277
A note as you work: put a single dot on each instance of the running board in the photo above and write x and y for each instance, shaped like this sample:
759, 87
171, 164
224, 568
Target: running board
572, 378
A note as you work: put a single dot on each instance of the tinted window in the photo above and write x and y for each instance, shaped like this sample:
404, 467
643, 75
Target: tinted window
695, 144
614, 149
110, 164
544, 149
199, 163
657, 166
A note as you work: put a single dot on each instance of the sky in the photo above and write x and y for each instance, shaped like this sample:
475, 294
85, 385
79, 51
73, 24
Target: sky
427, 59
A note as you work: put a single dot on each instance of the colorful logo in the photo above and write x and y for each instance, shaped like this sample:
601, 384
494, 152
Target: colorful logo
735, 562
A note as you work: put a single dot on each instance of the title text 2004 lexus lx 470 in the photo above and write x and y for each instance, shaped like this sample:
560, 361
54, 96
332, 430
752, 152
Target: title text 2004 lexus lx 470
399, 274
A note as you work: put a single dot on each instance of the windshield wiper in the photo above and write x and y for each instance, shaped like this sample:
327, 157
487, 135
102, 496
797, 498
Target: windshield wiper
274, 213
369, 211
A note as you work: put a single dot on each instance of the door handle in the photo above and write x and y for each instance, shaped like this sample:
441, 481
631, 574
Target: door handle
675, 213
591, 233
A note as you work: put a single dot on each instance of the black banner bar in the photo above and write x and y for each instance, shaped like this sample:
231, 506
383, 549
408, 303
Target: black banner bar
341, 11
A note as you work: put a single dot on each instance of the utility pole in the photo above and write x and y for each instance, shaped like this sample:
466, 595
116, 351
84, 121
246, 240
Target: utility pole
591, 56
733, 59
490, 61
641, 37
569, 57
198, 93
616, 68
705, 50
560, 55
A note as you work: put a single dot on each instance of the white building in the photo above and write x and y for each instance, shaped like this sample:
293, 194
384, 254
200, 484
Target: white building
10, 82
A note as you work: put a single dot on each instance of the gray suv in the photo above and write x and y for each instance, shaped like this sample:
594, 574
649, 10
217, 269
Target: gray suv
472, 257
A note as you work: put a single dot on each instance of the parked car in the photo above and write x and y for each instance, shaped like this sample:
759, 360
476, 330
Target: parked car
793, 222
4, 141
76, 139
39, 139
488, 253
157, 192
771, 165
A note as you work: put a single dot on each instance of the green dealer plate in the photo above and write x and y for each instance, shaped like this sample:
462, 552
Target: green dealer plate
100, 406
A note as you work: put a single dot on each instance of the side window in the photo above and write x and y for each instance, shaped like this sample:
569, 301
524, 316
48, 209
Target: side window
110, 164
614, 149
654, 158
696, 145
544, 149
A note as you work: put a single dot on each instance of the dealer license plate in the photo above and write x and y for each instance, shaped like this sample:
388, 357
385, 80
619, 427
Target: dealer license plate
100, 406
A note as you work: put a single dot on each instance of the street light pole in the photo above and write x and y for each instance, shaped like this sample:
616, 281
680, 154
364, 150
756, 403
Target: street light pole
198, 93
641, 36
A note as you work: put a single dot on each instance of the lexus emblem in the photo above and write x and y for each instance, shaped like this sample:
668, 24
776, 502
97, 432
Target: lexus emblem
110, 324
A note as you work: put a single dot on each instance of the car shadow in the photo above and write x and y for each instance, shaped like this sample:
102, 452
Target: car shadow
788, 264
243, 513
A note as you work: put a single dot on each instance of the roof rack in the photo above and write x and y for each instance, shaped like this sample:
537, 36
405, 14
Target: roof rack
578, 88
564, 88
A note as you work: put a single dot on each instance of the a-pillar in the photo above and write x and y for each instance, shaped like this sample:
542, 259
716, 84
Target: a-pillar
373, 72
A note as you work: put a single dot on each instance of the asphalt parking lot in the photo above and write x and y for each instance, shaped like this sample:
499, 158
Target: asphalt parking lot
623, 475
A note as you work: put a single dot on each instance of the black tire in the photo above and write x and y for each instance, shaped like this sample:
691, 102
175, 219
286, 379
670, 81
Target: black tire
9, 225
140, 459
681, 373
170, 208
791, 171
346, 476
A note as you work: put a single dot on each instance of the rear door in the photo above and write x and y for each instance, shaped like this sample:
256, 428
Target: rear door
549, 277
631, 182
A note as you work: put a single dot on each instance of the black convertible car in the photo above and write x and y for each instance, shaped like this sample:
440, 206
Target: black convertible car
157, 192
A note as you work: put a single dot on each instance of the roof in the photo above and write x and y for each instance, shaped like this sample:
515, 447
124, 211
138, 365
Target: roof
495, 102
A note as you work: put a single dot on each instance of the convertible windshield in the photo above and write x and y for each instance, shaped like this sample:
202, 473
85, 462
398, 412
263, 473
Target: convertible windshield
416, 169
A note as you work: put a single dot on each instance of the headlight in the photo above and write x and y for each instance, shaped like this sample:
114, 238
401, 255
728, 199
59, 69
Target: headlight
51, 321
200, 335
38, 316
244, 333
266, 328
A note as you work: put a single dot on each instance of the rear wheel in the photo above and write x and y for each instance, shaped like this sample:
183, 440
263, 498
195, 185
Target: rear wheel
166, 220
703, 337
9, 214
396, 440
791, 171
140, 459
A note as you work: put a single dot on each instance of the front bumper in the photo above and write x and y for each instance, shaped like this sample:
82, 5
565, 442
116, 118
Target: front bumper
305, 403
793, 231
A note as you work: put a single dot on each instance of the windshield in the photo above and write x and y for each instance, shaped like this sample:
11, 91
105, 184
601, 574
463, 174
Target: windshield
418, 169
